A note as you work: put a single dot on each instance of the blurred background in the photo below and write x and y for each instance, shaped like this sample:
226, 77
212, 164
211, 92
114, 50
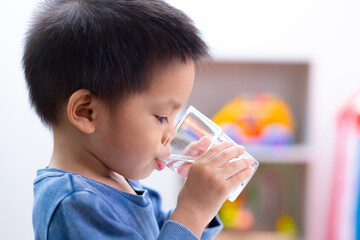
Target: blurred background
283, 83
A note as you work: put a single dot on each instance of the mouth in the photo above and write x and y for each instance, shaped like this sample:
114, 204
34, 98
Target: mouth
160, 164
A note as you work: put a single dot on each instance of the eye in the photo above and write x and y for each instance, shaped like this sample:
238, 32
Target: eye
162, 119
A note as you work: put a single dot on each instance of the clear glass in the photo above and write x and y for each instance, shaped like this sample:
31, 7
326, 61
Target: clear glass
191, 128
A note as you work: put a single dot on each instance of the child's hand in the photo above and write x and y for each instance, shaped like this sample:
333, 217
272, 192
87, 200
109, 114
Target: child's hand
211, 179
194, 150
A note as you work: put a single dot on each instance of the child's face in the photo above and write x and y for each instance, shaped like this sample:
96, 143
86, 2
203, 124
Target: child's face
128, 142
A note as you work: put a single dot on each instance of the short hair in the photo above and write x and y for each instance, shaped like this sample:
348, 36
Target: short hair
108, 47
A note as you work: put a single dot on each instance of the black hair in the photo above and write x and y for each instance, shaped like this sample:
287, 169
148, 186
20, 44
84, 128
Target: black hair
108, 47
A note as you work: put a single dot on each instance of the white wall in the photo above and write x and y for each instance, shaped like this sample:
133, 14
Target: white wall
25, 144
325, 32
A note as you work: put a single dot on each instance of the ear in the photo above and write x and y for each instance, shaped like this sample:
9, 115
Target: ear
81, 111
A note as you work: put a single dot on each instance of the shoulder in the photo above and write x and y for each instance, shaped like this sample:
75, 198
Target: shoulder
85, 215
51, 187
54, 184
64, 196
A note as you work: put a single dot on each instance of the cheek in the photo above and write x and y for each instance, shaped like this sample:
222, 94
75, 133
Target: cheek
139, 147
135, 142
149, 144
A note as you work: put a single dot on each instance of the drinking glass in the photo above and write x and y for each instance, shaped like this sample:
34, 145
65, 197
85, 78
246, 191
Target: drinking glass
192, 128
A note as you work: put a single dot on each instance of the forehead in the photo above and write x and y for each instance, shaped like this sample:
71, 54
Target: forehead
172, 84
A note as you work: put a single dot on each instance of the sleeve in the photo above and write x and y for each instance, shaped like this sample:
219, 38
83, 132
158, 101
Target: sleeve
174, 230
81, 215
214, 228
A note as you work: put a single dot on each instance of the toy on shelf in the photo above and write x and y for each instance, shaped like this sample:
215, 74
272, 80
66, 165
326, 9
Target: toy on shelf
286, 224
235, 215
259, 118
272, 201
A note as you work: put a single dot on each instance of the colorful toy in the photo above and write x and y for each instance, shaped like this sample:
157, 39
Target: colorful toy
286, 224
276, 134
260, 118
235, 215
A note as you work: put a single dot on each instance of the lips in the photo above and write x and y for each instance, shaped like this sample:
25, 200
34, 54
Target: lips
160, 164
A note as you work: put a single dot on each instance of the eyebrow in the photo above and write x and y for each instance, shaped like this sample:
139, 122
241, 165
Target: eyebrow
171, 103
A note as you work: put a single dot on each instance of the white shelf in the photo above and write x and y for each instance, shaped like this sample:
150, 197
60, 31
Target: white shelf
280, 154
283, 169
253, 235
218, 83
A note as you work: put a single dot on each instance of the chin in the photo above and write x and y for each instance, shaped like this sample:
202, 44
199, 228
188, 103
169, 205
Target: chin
146, 175
140, 176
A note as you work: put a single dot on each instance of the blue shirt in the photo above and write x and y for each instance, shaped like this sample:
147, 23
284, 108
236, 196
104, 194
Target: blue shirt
70, 206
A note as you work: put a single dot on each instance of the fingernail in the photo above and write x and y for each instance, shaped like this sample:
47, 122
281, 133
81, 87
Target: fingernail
250, 160
250, 170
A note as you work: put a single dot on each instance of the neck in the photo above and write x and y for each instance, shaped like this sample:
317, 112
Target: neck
71, 154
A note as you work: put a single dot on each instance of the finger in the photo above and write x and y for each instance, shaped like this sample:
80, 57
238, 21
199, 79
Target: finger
198, 148
228, 154
239, 177
209, 154
184, 169
232, 168
205, 142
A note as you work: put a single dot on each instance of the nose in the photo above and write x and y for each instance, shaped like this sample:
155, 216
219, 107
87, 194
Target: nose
172, 135
169, 135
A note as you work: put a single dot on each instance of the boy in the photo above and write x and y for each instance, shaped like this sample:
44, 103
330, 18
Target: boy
108, 77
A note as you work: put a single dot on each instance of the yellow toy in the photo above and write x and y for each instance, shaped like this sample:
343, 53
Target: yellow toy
260, 118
